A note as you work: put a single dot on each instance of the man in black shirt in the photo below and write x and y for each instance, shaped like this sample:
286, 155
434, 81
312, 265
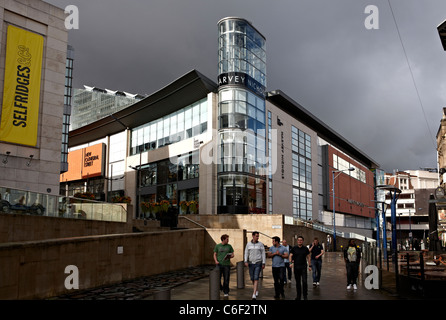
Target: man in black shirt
299, 257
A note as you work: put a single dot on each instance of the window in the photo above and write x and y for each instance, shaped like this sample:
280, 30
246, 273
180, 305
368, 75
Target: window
341, 164
182, 124
302, 174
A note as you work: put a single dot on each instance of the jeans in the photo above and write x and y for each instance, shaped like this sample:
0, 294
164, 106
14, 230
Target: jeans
224, 271
279, 276
316, 266
300, 274
254, 270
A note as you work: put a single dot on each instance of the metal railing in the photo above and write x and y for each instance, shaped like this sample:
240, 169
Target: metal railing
16, 201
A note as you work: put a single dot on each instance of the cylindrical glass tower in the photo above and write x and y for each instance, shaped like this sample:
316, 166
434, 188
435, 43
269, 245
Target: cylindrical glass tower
241, 171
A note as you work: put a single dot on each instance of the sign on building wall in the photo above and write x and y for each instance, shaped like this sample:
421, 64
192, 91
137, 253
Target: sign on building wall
85, 163
21, 91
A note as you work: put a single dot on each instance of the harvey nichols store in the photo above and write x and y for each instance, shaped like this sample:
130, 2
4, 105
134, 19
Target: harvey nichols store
230, 146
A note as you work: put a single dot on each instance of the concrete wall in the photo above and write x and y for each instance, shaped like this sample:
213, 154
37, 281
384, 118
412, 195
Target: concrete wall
237, 239
269, 224
20, 227
36, 269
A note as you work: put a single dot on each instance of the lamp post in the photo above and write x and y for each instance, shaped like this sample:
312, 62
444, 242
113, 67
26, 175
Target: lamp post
378, 231
410, 232
394, 195
334, 211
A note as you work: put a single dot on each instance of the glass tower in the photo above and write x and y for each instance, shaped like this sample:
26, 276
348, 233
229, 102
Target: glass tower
242, 166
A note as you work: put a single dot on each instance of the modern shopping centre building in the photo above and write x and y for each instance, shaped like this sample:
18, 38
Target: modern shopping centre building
229, 144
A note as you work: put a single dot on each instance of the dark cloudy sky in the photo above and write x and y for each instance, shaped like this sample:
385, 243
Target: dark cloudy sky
319, 53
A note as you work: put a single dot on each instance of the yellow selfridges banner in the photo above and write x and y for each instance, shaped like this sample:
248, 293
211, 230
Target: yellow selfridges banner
21, 92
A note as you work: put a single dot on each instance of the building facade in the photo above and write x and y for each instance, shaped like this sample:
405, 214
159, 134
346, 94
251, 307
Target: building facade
412, 208
92, 103
33, 46
229, 146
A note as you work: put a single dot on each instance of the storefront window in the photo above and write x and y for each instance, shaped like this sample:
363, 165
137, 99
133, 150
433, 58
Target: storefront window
148, 175
247, 193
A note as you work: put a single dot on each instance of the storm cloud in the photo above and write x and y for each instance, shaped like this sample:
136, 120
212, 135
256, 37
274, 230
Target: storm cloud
319, 52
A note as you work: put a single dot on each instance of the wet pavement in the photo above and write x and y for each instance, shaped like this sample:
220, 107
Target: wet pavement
193, 284
333, 285
140, 288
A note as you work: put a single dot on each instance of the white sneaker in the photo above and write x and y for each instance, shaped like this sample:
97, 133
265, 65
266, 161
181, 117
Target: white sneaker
226, 295
317, 283
349, 287
257, 293
355, 287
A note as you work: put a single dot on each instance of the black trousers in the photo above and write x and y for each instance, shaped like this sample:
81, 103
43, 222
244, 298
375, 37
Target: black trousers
300, 274
352, 272
289, 271
279, 277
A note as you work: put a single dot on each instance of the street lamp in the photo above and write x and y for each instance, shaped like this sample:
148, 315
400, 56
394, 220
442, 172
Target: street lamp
394, 195
378, 232
334, 211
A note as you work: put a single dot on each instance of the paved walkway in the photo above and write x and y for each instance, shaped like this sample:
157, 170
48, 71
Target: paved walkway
333, 285
193, 284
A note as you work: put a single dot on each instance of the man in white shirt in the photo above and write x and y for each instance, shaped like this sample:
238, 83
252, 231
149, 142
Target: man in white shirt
255, 260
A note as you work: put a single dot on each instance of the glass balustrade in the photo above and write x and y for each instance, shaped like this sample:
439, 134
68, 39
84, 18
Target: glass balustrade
15, 201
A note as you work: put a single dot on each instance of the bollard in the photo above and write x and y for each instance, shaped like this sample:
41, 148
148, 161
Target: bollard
163, 294
214, 284
240, 275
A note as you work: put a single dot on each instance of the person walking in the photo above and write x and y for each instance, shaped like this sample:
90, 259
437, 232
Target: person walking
299, 256
223, 252
255, 260
288, 271
352, 257
278, 252
317, 251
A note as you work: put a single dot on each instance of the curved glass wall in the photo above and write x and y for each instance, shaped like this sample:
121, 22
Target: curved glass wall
242, 157
241, 49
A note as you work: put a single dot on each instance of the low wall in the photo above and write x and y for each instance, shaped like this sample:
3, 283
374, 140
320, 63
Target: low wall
22, 227
36, 269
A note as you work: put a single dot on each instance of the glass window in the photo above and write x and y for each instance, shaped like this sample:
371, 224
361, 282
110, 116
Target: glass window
188, 118
196, 115
226, 95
